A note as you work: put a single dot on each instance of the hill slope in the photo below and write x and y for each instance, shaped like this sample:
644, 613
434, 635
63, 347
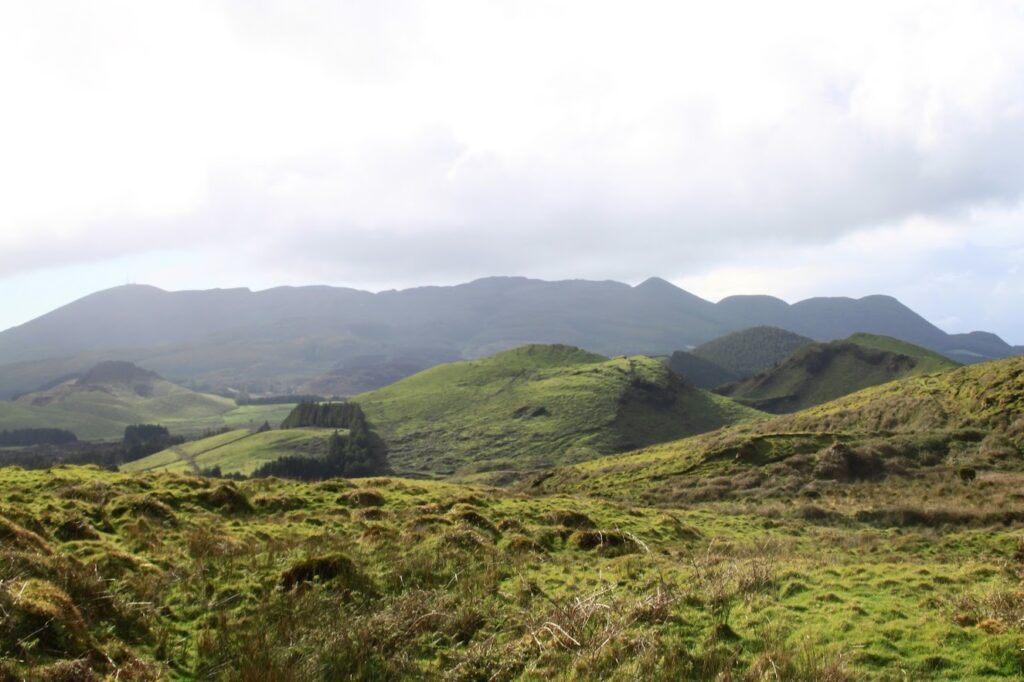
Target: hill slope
240, 451
821, 372
534, 407
969, 416
745, 353
339, 340
698, 371
103, 401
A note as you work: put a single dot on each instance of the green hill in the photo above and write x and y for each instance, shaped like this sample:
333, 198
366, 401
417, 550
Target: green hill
821, 372
698, 371
747, 352
236, 452
99, 404
534, 407
967, 417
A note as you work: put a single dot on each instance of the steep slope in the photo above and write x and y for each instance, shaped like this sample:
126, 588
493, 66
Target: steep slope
282, 338
99, 404
969, 417
698, 371
822, 372
534, 407
747, 352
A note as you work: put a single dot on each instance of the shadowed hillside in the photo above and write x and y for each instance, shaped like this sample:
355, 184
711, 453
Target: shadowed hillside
821, 372
967, 417
745, 353
698, 371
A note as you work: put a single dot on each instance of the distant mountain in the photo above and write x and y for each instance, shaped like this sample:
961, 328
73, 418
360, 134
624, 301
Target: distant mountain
820, 372
108, 397
747, 352
284, 338
533, 407
698, 371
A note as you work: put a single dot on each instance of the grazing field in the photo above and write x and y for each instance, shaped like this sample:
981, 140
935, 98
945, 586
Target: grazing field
534, 407
104, 417
236, 452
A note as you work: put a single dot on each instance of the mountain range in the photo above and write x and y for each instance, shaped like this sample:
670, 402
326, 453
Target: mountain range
346, 341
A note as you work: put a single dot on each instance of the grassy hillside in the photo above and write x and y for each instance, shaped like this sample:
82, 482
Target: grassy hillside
169, 576
533, 407
236, 452
698, 371
821, 372
747, 352
100, 403
928, 426
926, 361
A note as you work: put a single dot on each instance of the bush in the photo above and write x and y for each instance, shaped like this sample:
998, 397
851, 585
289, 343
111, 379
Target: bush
226, 497
337, 568
362, 498
607, 542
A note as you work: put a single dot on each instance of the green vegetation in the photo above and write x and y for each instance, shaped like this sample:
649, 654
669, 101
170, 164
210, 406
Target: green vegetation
698, 371
26, 437
146, 576
339, 415
879, 536
240, 451
926, 361
113, 395
535, 406
745, 353
927, 425
822, 372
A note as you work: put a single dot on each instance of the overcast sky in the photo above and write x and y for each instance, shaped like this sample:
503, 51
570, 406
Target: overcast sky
789, 148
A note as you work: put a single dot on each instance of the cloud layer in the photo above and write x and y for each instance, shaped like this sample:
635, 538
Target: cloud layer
794, 148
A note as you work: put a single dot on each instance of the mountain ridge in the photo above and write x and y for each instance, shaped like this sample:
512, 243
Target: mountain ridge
280, 338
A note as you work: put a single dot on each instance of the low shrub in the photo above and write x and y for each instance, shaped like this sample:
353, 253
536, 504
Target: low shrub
338, 569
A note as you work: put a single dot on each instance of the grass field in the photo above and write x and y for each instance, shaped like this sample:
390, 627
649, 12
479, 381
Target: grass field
236, 452
104, 415
142, 576
533, 407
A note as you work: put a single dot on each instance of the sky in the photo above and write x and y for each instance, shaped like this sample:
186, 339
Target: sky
789, 148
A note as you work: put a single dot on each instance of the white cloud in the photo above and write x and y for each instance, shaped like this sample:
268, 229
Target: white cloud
379, 142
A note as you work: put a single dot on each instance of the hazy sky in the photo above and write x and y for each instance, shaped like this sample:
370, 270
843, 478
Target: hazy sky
790, 148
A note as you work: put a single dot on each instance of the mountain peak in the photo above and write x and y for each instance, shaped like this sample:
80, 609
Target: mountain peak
117, 372
657, 283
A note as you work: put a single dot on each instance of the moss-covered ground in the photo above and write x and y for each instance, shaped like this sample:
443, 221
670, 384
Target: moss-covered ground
171, 576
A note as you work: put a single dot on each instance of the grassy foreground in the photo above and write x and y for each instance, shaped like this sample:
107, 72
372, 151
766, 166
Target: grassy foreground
170, 576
